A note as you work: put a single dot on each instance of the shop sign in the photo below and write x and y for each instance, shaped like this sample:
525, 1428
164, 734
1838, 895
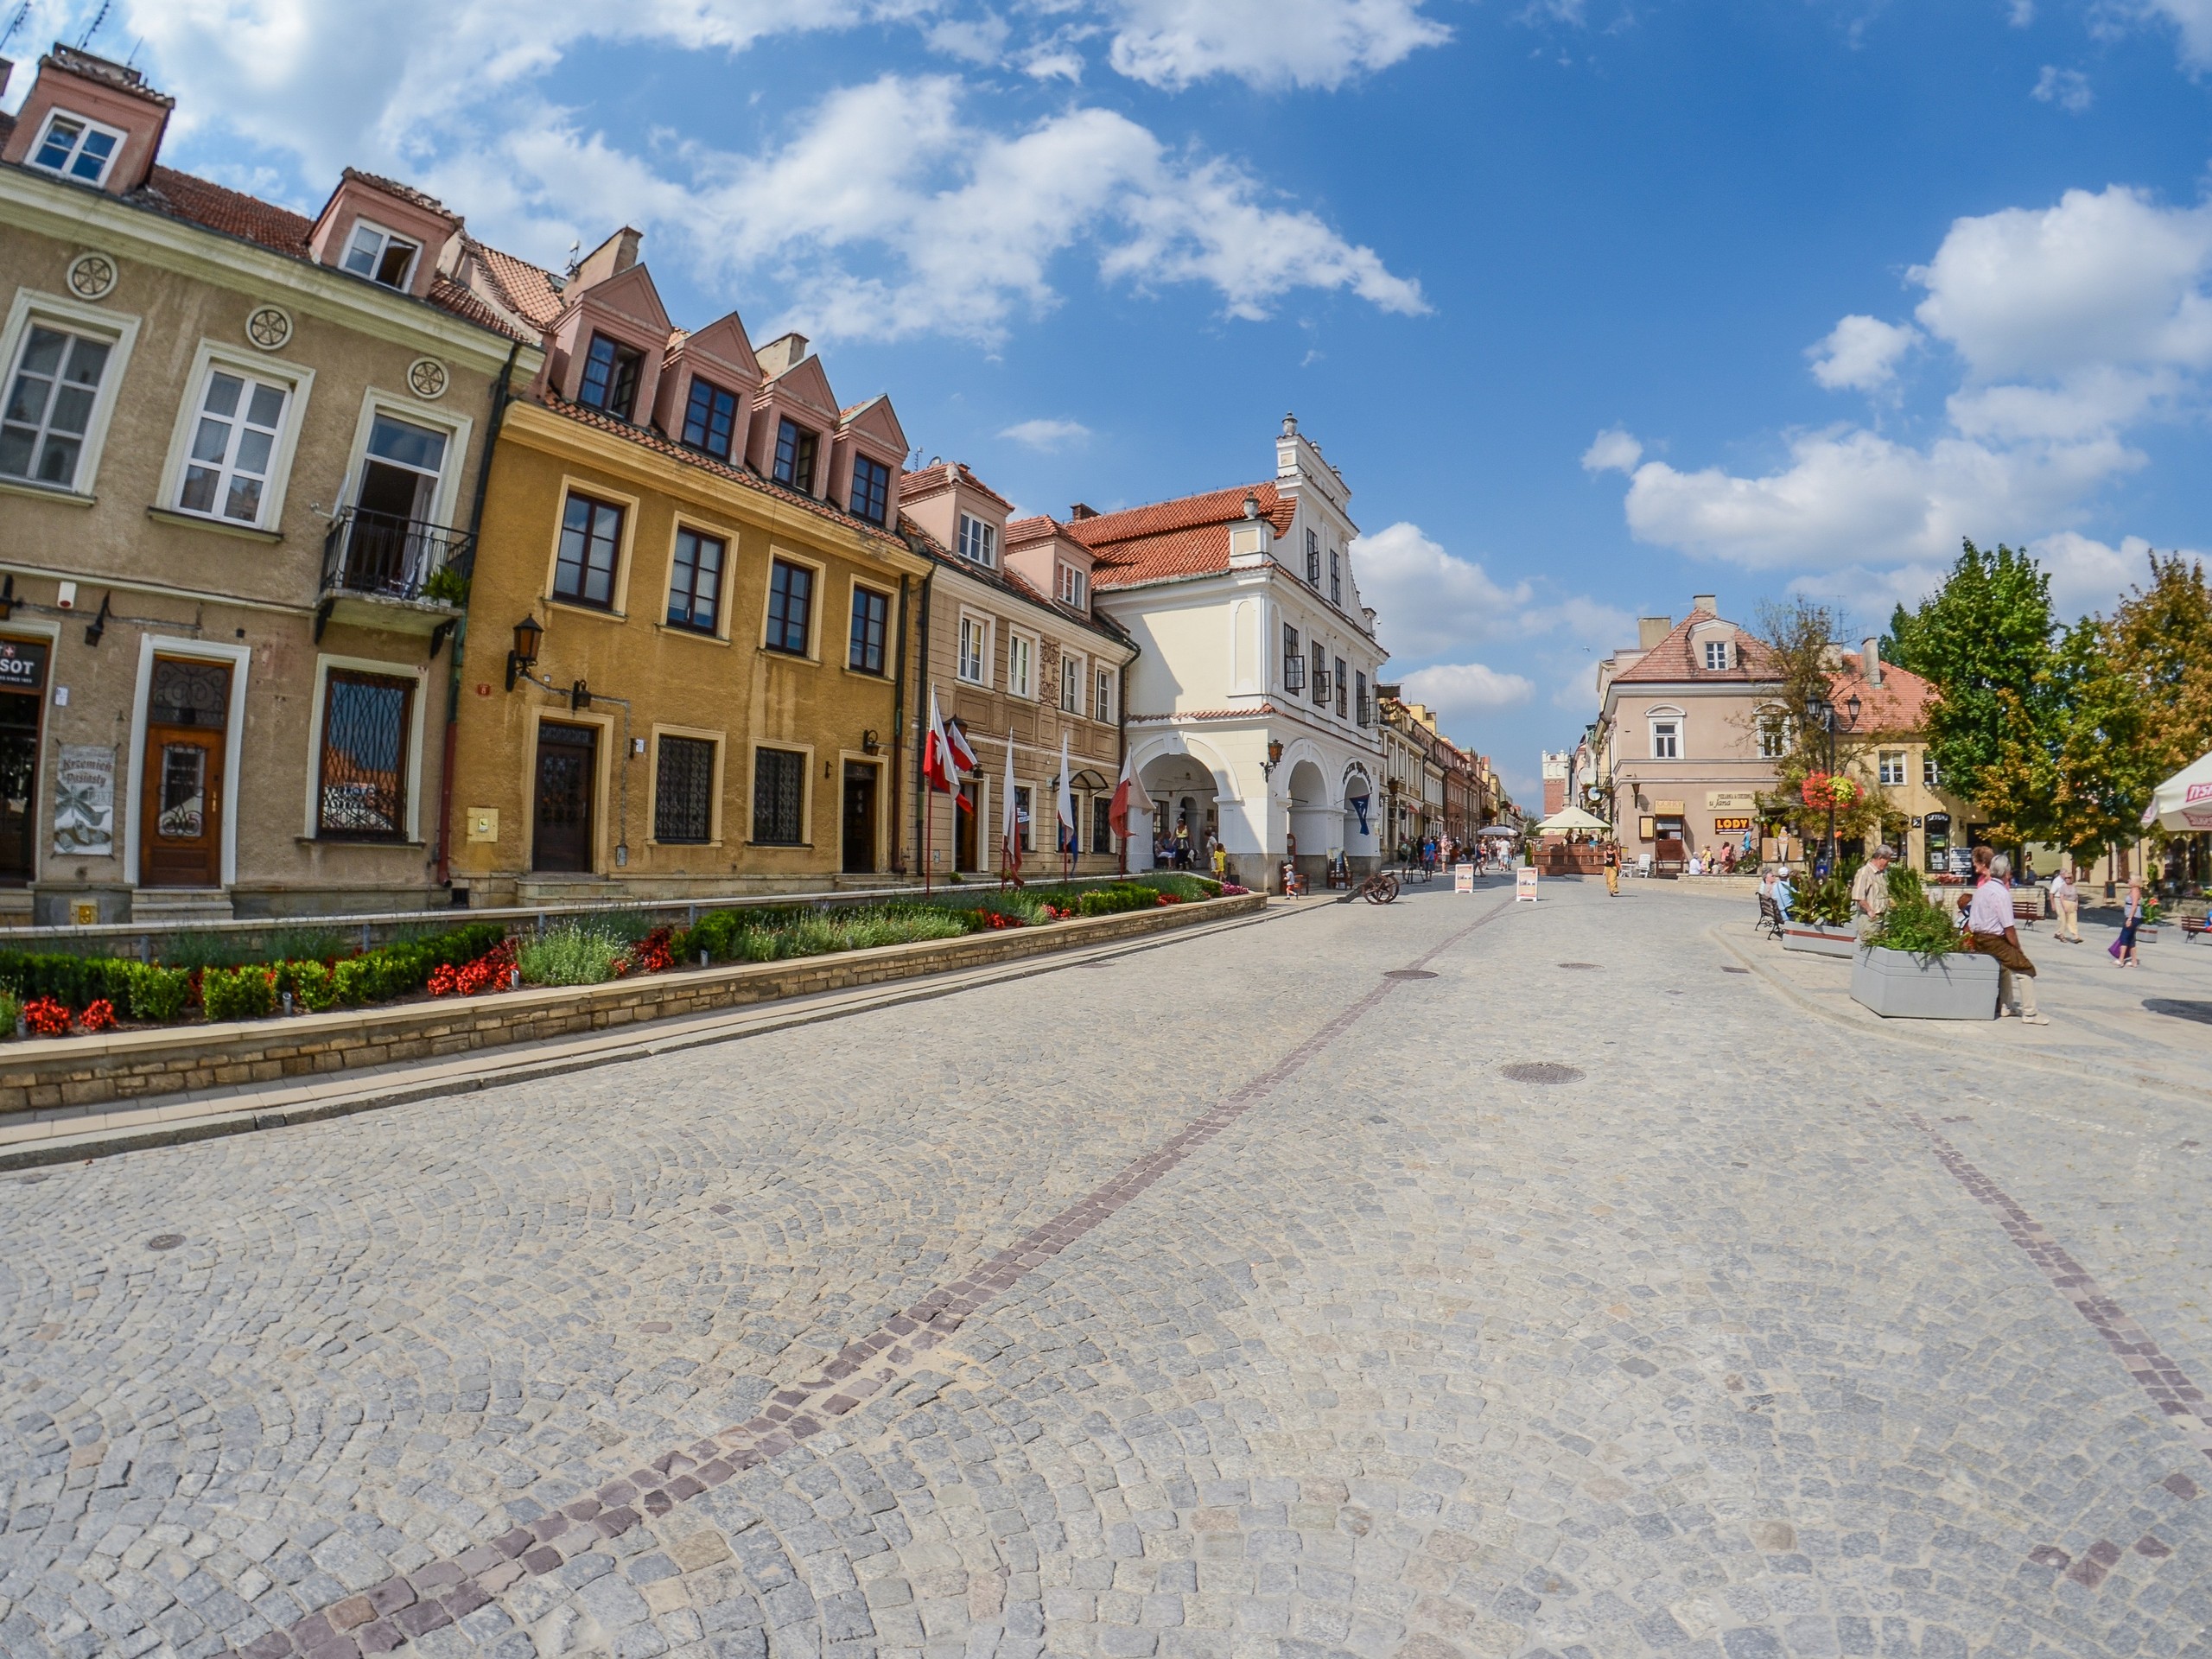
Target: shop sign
1720, 824
1524, 884
1669, 808
1643, 830
1730, 800
84, 801
23, 664
1463, 878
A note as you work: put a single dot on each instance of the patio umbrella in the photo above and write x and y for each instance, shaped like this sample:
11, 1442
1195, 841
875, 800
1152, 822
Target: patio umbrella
1570, 818
2183, 802
1501, 831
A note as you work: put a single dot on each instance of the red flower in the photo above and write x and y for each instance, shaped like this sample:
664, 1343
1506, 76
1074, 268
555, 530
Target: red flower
442, 980
46, 1016
100, 1016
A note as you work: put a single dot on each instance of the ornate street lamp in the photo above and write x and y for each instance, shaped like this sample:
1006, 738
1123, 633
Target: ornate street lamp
1821, 713
524, 656
1274, 759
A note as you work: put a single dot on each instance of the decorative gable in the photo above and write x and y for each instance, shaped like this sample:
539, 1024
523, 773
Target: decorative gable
721, 355
90, 121
624, 310
384, 232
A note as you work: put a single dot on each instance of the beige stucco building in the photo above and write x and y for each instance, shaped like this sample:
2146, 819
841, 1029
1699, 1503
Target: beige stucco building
240, 475
1016, 656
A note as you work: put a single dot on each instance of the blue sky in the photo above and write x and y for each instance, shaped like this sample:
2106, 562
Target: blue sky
1598, 303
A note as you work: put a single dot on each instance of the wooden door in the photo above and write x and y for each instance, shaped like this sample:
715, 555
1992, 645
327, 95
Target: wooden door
860, 818
567, 775
965, 811
180, 822
19, 715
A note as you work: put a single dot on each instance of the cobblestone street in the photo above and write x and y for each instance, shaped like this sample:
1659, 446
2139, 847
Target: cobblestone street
1229, 1298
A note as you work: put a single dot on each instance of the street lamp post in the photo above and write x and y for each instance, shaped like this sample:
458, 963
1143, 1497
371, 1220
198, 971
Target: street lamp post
1821, 712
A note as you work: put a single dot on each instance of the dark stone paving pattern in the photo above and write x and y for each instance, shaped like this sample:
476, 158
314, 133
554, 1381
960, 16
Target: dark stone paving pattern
1699, 1354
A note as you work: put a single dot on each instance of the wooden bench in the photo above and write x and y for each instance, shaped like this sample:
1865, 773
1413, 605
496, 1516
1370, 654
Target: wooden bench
2193, 925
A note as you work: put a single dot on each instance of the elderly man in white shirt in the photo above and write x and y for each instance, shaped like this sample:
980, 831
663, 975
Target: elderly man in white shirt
1995, 932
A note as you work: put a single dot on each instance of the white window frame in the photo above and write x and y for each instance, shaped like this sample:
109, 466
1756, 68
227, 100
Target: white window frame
1021, 665
1667, 733
1075, 587
89, 125
1929, 776
456, 427
986, 536
1072, 683
1887, 762
386, 236
1102, 689
1712, 646
56, 311
979, 662
211, 356
311, 823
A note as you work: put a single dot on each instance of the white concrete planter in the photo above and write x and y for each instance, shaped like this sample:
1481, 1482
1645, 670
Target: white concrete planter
1821, 941
1898, 985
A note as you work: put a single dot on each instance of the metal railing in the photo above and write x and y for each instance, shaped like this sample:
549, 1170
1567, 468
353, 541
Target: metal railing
392, 557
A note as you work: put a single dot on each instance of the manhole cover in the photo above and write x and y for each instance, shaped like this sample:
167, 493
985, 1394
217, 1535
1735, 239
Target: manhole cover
1735, 970
1543, 1071
1409, 973
1578, 964
2200, 1011
654, 1326
30, 1180
164, 1241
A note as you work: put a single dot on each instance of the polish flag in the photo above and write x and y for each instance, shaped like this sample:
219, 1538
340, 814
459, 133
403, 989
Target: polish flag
1010, 821
940, 758
964, 757
1064, 804
1128, 796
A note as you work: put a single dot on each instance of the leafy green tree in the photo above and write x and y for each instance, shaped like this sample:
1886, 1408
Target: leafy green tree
1800, 643
2160, 644
1983, 640
2102, 770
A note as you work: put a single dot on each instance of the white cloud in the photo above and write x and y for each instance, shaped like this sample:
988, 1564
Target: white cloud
2071, 325
1860, 353
1173, 43
1047, 435
2021, 14
2191, 21
1461, 692
898, 207
1612, 451
2067, 88
1429, 602
2087, 574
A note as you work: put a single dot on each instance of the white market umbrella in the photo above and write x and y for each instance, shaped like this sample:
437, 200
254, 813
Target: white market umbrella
2183, 802
1500, 832
1570, 818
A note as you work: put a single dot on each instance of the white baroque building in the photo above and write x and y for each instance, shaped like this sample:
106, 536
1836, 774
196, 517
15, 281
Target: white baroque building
1251, 702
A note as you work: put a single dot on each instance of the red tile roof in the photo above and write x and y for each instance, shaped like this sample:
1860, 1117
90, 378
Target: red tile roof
1010, 582
218, 208
939, 473
1187, 537
404, 192
1899, 704
530, 293
1672, 662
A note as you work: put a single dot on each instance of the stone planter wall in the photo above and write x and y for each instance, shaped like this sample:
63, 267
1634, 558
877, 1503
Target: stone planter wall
1820, 941
43, 1074
1898, 985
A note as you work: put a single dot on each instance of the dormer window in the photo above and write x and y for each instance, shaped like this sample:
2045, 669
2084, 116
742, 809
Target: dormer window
871, 490
1075, 587
1716, 653
979, 542
710, 418
610, 382
384, 258
77, 149
795, 447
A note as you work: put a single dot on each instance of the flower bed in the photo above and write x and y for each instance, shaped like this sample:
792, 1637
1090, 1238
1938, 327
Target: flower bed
55, 994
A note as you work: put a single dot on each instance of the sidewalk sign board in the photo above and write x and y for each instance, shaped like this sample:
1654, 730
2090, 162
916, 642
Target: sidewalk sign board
1524, 884
1463, 878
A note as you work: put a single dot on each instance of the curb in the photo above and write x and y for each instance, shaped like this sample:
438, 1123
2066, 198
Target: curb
340, 1097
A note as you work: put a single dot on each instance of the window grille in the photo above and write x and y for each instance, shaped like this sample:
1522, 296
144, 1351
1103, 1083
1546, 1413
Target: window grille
779, 797
683, 791
188, 693
233, 447
50, 405
363, 791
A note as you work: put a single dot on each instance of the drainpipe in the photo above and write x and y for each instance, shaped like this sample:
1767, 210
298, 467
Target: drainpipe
459, 640
898, 730
921, 674
1121, 733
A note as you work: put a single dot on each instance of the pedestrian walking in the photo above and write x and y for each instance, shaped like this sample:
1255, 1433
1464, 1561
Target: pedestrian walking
1995, 932
1220, 861
1611, 858
2066, 900
2131, 918
1870, 891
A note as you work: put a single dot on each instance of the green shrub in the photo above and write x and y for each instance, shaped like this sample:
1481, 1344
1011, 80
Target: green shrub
570, 953
1920, 925
247, 992
1904, 883
310, 983
11, 1011
351, 980
78, 981
158, 995
1184, 886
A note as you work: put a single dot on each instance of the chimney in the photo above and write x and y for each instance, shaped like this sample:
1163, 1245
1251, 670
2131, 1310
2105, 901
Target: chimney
1709, 603
1650, 629
610, 258
1079, 512
782, 353
1869, 660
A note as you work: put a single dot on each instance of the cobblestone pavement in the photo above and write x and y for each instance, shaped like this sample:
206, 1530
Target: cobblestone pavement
1225, 1301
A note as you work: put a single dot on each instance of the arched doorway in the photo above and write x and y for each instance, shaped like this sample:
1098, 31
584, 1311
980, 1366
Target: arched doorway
1186, 811
1360, 832
1316, 821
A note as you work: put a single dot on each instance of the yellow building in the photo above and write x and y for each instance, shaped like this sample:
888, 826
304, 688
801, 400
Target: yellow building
705, 547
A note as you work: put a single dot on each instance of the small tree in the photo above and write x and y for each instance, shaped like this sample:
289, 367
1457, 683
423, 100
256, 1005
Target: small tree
1799, 641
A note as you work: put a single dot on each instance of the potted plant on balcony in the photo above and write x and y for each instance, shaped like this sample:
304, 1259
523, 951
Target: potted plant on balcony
1820, 920
1915, 964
